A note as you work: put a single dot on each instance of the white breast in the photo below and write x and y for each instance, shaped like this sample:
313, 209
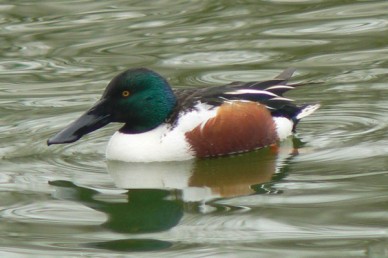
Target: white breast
156, 145
161, 143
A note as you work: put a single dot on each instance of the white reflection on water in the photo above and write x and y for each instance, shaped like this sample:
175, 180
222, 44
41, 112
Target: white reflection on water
344, 27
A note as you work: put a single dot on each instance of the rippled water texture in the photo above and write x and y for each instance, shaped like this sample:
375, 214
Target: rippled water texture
328, 198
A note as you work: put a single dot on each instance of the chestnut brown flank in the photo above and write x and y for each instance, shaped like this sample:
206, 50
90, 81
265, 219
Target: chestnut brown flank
237, 127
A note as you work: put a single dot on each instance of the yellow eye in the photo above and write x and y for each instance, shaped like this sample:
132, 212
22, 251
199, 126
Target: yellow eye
125, 93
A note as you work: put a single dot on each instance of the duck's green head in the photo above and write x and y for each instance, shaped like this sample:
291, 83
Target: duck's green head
140, 98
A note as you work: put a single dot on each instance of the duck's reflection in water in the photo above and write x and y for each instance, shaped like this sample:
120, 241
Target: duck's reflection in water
200, 180
156, 194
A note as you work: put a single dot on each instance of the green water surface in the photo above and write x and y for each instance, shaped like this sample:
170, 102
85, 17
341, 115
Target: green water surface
328, 198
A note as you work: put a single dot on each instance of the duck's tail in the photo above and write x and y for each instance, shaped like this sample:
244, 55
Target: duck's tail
306, 110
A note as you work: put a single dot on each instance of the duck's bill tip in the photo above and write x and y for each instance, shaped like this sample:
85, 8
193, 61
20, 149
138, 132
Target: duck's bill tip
95, 118
58, 139
49, 142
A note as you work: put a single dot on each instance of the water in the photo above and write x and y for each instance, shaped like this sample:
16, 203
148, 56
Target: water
327, 200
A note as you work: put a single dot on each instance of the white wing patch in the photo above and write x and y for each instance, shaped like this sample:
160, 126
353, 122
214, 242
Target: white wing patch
277, 87
263, 92
251, 91
282, 98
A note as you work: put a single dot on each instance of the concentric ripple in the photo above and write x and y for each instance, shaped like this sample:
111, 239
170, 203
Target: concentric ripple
334, 130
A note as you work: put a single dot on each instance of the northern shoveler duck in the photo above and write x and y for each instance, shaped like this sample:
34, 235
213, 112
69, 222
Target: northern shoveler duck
164, 124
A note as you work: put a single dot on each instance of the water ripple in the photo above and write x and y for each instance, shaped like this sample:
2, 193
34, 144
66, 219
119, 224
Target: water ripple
210, 59
16, 67
54, 212
352, 26
352, 10
347, 58
225, 76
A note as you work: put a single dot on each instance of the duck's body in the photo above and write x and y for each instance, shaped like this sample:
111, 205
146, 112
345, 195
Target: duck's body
165, 125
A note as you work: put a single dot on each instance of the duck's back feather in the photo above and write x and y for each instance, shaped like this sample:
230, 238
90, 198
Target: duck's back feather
268, 93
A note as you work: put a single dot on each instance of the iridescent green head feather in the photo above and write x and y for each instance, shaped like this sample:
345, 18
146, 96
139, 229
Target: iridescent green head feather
142, 99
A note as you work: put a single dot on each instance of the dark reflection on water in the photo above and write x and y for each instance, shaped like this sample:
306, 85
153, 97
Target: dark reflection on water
131, 245
136, 211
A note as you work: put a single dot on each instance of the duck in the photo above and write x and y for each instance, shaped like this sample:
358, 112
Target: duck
162, 124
